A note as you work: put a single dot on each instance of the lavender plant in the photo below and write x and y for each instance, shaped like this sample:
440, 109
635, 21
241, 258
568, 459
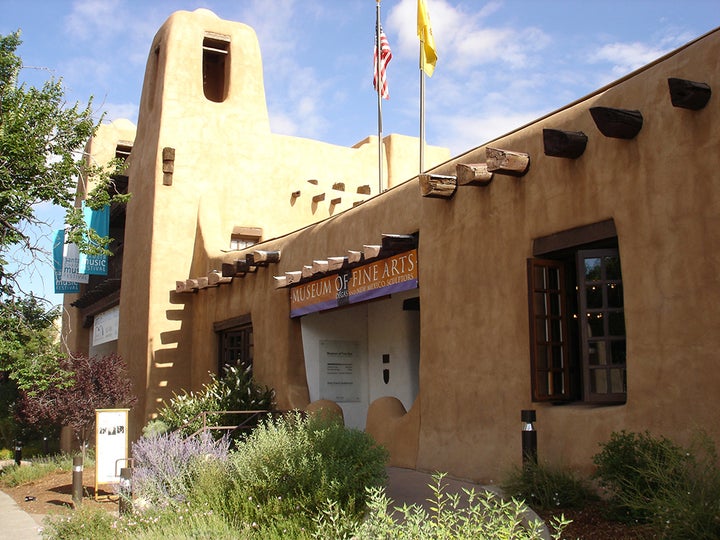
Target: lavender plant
166, 465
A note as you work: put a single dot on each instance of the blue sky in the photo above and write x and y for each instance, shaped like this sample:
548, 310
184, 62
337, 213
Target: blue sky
501, 63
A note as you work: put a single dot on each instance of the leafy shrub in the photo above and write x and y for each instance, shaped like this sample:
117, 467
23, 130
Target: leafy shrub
178, 522
470, 515
89, 383
166, 465
623, 469
545, 487
154, 428
293, 464
84, 523
234, 391
675, 489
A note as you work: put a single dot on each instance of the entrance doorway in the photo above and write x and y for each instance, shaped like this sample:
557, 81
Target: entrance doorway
362, 352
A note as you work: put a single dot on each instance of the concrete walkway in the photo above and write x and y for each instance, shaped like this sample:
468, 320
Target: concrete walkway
16, 523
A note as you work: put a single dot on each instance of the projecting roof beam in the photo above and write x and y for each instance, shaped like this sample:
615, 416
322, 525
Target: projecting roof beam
688, 94
473, 174
437, 186
617, 123
506, 161
566, 144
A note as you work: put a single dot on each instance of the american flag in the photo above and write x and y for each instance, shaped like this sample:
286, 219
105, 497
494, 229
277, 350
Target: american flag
385, 57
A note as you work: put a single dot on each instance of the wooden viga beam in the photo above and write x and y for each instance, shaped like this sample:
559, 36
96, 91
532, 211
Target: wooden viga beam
238, 268
287, 279
180, 287
506, 161
688, 94
473, 174
263, 258
437, 186
216, 278
565, 144
617, 123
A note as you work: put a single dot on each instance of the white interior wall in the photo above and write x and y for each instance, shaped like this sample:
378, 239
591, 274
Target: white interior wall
378, 327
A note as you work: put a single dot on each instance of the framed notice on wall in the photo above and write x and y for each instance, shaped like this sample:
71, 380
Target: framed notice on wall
340, 379
111, 445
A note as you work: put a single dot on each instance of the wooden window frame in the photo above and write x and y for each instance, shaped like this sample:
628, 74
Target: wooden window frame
603, 313
551, 374
569, 379
227, 332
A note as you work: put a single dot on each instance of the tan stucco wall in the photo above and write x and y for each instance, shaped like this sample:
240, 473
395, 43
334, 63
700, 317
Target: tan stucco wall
228, 171
661, 189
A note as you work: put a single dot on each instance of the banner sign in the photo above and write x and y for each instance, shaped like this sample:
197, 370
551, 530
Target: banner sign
372, 280
105, 326
99, 221
111, 445
61, 286
70, 265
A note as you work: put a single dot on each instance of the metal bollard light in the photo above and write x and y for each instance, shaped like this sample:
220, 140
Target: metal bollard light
18, 453
125, 500
529, 436
77, 483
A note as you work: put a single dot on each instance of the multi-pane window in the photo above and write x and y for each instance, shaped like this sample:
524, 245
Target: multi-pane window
235, 344
548, 329
577, 324
602, 324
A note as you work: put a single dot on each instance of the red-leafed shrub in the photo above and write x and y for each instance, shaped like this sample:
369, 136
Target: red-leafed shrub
90, 383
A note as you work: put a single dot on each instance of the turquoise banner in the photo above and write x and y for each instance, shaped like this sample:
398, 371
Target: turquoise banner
61, 287
99, 221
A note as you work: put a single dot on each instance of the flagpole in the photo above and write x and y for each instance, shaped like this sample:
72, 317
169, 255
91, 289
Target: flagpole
422, 111
379, 94
427, 57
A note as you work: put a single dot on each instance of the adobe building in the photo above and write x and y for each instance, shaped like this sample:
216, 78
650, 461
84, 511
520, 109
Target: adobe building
566, 268
207, 177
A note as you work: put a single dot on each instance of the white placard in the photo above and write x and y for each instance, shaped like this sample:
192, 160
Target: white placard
105, 326
339, 371
111, 444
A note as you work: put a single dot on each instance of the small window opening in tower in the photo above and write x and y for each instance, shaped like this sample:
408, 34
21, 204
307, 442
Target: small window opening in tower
216, 64
122, 151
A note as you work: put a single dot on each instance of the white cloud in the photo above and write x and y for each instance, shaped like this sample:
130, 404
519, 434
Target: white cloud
627, 57
95, 19
115, 111
467, 38
463, 132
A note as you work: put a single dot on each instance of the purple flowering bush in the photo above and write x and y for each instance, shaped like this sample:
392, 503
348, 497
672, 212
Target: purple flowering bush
167, 465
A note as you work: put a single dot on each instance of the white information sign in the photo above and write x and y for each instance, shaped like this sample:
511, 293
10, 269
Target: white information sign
105, 326
111, 445
339, 371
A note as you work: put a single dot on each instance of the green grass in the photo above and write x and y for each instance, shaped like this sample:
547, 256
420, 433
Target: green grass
12, 475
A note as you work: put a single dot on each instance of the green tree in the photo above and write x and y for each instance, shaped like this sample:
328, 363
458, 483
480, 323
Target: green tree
29, 357
41, 159
41, 139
